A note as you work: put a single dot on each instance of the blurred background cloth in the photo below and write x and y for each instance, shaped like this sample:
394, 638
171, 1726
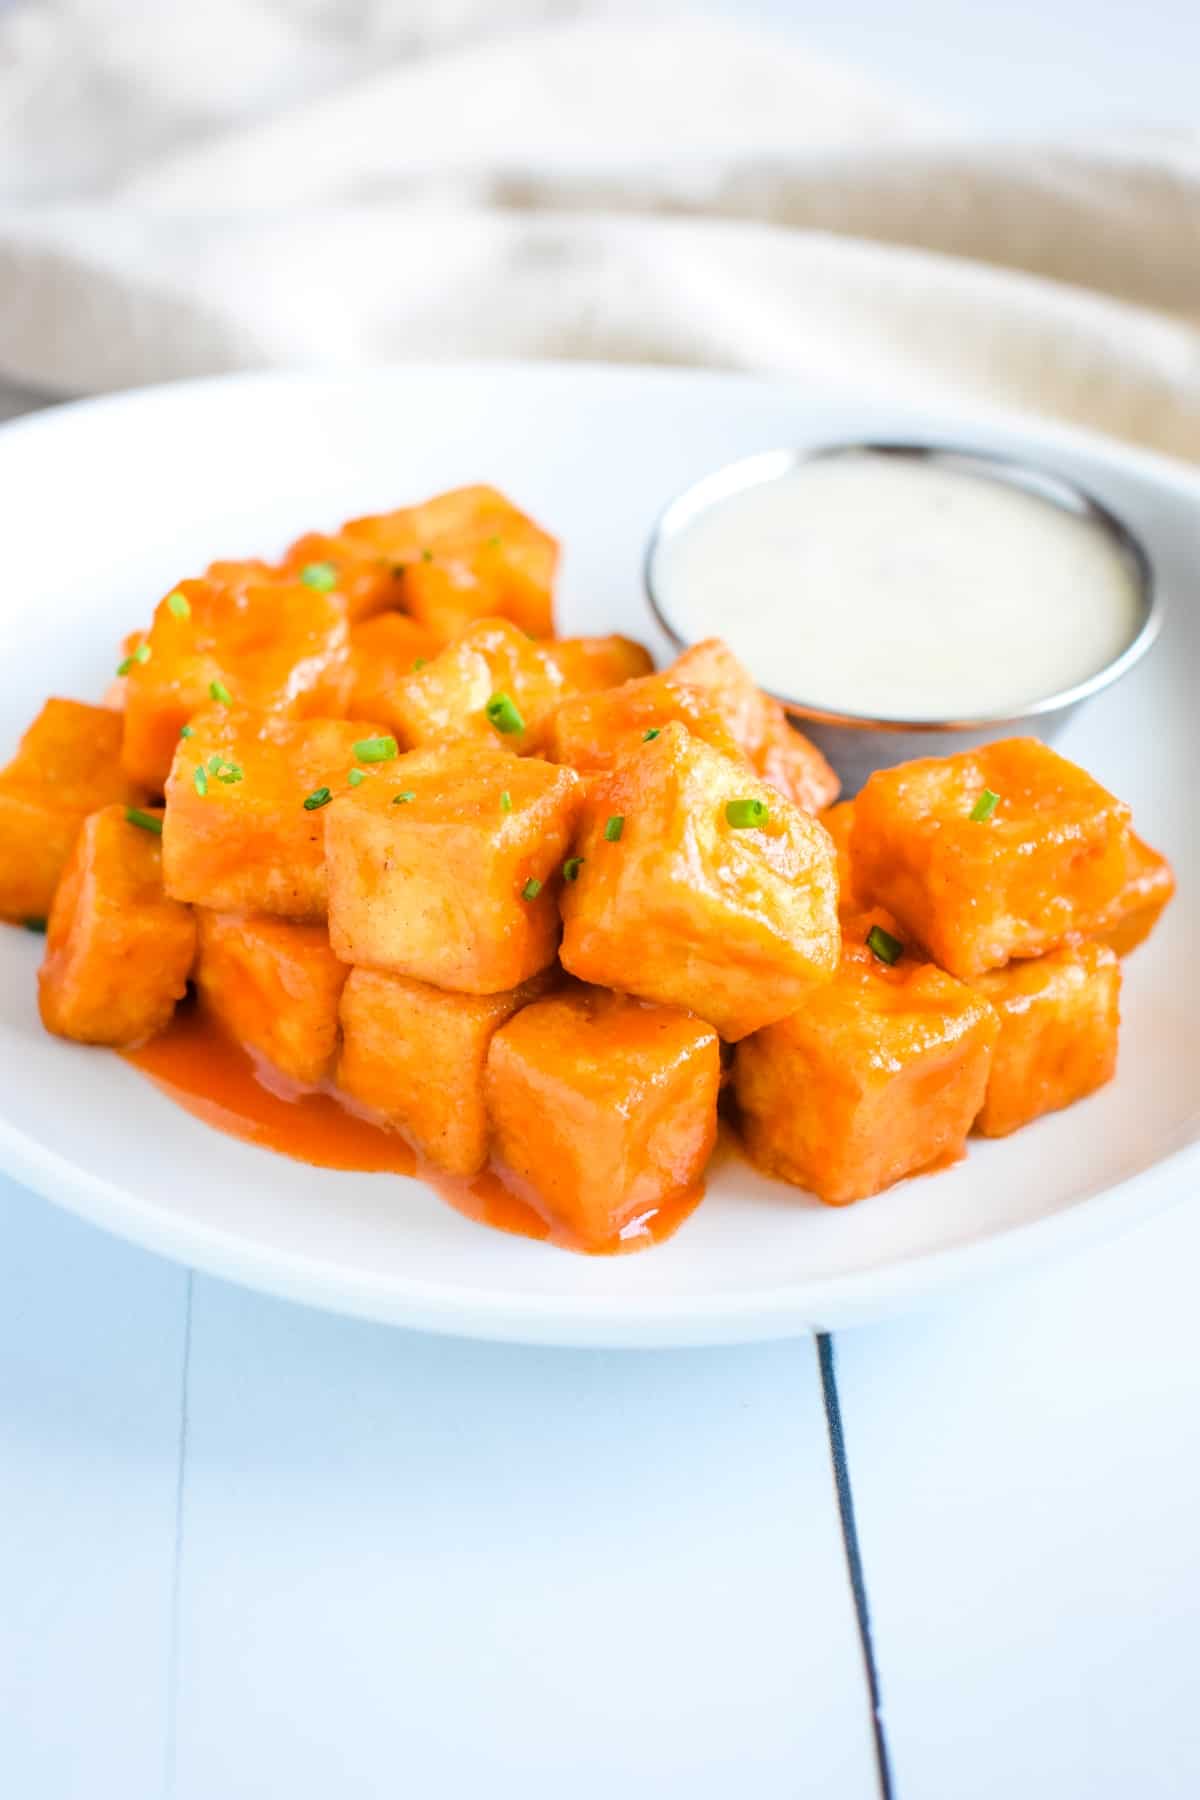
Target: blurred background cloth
189, 187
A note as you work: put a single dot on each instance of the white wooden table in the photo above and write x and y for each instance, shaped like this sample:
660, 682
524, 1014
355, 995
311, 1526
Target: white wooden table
251, 1550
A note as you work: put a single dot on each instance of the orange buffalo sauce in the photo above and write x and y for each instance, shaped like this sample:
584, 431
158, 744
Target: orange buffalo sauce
213, 1077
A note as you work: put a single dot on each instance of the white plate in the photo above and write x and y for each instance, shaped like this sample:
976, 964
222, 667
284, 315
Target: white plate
105, 504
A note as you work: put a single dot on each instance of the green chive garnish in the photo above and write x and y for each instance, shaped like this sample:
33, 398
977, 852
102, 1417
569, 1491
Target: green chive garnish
572, 867
984, 807
427, 556
404, 798
140, 655
648, 736
319, 575
200, 780
376, 749
356, 778
532, 888
614, 828
884, 945
398, 571
215, 763
230, 773
503, 714
146, 820
493, 543
506, 801
420, 663
743, 814
38, 925
319, 797
177, 603
185, 731
218, 691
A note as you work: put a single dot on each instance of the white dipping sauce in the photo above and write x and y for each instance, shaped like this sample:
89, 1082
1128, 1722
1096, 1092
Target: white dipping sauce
901, 588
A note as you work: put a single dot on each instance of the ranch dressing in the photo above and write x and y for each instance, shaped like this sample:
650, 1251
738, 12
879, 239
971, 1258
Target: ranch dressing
902, 588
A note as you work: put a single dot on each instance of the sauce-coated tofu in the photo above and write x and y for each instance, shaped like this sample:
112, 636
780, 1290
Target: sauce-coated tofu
588, 664
878, 1075
275, 986
676, 902
778, 752
238, 836
1141, 902
602, 1109
448, 871
1059, 1017
468, 554
273, 645
383, 651
1044, 864
492, 686
118, 952
413, 1055
365, 581
68, 764
590, 732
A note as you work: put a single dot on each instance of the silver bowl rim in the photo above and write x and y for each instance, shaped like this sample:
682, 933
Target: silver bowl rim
762, 466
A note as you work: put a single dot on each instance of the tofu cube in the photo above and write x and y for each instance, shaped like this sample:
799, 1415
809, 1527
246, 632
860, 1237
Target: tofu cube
1045, 863
468, 554
448, 871
1059, 1017
456, 695
118, 952
602, 1110
777, 751
680, 899
274, 986
366, 581
238, 836
878, 1075
383, 651
588, 664
591, 732
413, 1056
273, 645
68, 764
1142, 900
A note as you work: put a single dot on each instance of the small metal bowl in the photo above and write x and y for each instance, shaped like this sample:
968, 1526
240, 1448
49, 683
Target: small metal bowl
855, 743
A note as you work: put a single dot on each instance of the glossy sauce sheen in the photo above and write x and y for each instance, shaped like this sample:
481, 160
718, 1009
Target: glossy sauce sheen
214, 1078
900, 589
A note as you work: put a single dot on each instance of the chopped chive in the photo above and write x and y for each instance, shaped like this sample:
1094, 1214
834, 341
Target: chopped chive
744, 814
200, 780
146, 820
492, 543
884, 945
502, 713
614, 828
532, 888
506, 801
572, 867
218, 691
38, 925
319, 797
420, 663
140, 655
404, 798
185, 731
319, 575
376, 749
356, 777
230, 773
398, 570
648, 736
427, 556
215, 762
177, 603
984, 807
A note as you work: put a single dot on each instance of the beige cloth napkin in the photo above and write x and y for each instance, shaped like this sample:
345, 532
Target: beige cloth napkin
635, 187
